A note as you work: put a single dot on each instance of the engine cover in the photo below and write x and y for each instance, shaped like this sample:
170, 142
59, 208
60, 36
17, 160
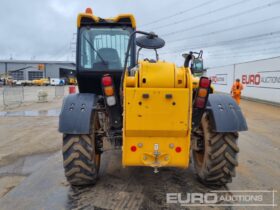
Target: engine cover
157, 116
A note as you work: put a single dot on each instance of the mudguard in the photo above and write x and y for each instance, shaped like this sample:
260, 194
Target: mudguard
225, 114
76, 112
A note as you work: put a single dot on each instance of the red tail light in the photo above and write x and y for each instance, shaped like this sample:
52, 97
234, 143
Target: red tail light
202, 93
200, 103
108, 90
107, 81
204, 82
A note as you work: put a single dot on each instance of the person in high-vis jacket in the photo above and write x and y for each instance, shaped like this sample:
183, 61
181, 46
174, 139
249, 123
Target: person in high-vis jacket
236, 89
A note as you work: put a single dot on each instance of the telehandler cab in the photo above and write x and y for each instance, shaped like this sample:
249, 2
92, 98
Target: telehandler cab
154, 110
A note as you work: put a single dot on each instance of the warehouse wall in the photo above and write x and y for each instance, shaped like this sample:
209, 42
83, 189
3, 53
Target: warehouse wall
51, 68
261, 79
2, 68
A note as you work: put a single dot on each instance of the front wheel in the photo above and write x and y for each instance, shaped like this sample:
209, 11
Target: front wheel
216, 158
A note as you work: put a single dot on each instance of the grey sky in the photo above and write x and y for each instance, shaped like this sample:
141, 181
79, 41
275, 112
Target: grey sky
44, 29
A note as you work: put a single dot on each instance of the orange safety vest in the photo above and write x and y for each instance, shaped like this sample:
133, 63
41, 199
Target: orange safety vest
236, 89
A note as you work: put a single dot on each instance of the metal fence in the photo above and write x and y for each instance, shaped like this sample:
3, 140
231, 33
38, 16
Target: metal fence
17, 95
59, 91
13, 96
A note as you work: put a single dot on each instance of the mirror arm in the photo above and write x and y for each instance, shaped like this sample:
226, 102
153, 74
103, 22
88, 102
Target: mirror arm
188, 59
156, 54
138, 52
200, 54
129, 44
127, 55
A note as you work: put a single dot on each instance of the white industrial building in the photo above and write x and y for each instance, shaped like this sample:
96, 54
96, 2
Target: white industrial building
260, 78
29, 70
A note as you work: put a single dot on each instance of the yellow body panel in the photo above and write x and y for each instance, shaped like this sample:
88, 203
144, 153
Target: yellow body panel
145, 153
114, 19
195, 82
155, 74
157, 116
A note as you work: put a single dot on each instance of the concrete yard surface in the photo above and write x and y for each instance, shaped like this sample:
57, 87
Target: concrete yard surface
32, 175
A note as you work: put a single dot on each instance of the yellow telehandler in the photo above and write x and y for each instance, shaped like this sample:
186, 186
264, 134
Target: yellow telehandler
160, 114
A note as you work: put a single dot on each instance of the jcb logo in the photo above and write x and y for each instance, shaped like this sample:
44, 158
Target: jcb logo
252, 79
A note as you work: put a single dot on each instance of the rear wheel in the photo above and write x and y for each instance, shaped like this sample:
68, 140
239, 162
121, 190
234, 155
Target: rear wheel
216, 157
81, 160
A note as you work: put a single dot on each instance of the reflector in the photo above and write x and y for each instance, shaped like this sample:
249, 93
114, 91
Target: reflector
178, 149
133, 148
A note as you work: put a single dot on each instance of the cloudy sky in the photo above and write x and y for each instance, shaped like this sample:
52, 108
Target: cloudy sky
228, 31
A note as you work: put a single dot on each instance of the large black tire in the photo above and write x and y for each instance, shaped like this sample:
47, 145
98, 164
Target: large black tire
215, 163
80, 159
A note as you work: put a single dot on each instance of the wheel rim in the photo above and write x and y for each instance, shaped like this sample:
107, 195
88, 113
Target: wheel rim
95, 156
97, 161
199, 156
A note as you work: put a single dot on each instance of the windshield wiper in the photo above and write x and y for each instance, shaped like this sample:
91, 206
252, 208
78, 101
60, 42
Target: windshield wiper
92, 47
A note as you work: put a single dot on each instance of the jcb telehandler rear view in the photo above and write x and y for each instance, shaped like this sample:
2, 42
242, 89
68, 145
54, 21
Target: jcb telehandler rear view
158, 113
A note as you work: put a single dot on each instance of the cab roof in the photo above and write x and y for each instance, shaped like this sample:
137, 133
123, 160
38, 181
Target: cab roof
88, 18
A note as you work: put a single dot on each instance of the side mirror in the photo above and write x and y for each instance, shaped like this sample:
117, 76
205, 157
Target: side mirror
194, 60
150, 41
197, 65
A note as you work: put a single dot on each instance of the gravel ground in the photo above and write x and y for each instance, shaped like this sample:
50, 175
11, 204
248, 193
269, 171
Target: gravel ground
27, 142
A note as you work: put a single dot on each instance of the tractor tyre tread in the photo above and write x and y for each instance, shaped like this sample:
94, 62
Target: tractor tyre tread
79, 166
220, 159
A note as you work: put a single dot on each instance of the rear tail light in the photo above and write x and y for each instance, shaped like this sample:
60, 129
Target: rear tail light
202, 93
204, 82
109, 91
107, 81
200, 103
111, 100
